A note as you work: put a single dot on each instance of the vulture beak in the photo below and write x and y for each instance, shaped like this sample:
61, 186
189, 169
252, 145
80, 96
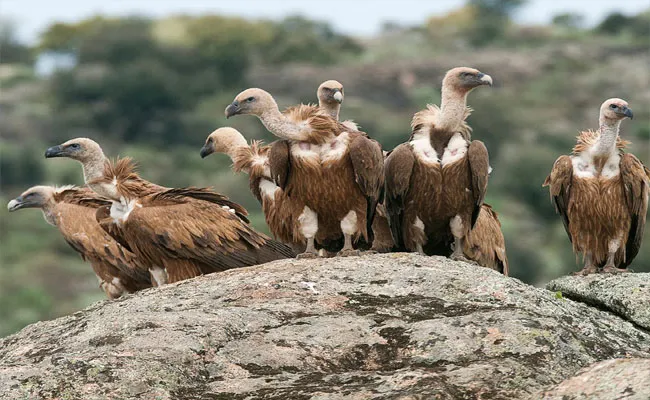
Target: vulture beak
485, 79
16, 204
207, 149
338, 96
628, 113
233, 109
55, 151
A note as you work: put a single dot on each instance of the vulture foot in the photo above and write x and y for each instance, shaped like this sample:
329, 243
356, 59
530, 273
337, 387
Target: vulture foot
610, 269
589, 269
461, 257
348, 253
307, 255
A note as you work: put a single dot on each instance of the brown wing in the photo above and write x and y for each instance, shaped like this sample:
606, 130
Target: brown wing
368, 164
203, 194
559, 183
636, 183
486, 244
397, 171
205, 232
80, 229
280, 162
479, 164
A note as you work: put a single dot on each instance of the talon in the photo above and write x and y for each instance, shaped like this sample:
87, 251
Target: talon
610, 269
348, 253
307, 255
591, 269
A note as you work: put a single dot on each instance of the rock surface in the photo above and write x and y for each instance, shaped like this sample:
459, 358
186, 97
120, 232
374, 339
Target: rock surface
372, 327
627, 295
627, 379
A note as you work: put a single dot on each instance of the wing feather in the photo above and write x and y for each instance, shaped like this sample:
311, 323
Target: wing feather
636, 184
280, 162
559, 183
397, 169
479, 163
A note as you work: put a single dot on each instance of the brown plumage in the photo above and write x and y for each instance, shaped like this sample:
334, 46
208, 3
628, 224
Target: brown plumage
436, 183
485, 243
72, 210
177, 233
602, 194
337, 174
280, 211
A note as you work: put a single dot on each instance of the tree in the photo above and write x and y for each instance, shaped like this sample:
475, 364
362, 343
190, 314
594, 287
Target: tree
492, 18
569, 20
11, 50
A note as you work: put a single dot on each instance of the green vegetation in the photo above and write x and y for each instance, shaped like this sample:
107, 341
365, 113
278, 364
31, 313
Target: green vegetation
154, 90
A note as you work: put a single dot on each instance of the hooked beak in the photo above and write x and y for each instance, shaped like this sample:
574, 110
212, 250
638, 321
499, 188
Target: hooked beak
628, 113
485, 79
16, 204
338, 96
54, 151
233, 109
206, 150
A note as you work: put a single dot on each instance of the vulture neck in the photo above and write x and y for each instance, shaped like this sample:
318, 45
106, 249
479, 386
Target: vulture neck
49, 214
452, 109
608, 135
93, 167
282, 127
331, 109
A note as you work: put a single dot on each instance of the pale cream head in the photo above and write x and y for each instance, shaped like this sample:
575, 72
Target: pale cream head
80, 149
464, 79
330, 92
252, 101
613, 110
34, 197
223, 140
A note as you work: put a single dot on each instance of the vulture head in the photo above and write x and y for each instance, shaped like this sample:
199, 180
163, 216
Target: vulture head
222, 140
251, 101
34, 197
330, 92
615, 110
464, 79
80, 149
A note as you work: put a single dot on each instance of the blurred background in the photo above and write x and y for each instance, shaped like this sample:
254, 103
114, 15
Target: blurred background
153, 83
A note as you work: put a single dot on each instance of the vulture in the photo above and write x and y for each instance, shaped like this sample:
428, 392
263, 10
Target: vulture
335, 171
280, 211
72, 210
601, 192
330, 97
179, 232
436, 182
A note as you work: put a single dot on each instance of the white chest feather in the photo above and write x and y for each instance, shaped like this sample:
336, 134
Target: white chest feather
120, 210
268, 189
424, 151
306, 151
336, 148
456, 149
584, 165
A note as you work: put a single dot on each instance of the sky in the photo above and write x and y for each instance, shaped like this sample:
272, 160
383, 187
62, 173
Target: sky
355, 17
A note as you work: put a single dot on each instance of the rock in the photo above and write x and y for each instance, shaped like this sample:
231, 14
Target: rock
612, 379
380, 326
627, 295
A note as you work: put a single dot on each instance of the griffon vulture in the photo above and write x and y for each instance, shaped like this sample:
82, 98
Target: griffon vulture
280, 211
436, 182
601, 192
178, 233
72, 210
335, 171
330, 97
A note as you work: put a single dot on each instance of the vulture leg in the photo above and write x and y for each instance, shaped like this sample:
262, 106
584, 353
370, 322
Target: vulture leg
590, 267
456, 225
308, 221
158, 276
610, 267
348, 227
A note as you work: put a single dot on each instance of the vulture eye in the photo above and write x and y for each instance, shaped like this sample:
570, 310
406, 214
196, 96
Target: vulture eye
75, 145
250, 99
613, 106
